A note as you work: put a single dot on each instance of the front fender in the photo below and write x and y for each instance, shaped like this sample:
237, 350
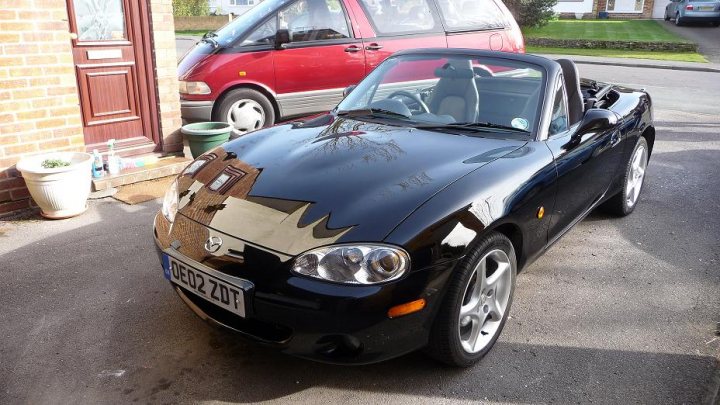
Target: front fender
505, 193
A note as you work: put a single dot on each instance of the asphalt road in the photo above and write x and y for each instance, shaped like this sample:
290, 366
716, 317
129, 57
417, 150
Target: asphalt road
619, 311
705, 35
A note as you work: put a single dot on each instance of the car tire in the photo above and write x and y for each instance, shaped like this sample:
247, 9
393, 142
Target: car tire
666, 16
716, 24
488, 306
622, 203
678, 20
246, 110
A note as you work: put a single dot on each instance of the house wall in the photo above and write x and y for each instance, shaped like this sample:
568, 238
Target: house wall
39, 102
165, 59
646, 11
570, 7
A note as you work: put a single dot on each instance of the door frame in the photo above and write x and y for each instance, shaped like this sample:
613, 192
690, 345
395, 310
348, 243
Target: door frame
137, 27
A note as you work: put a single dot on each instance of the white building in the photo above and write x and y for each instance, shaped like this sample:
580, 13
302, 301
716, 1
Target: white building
236, 7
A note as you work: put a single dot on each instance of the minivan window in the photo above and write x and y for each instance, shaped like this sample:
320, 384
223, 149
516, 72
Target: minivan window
263, 35
400, 17
314, 20
471, 14
232, 31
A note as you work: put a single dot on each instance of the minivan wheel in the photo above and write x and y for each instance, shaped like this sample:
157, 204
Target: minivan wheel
476, 304
246, 110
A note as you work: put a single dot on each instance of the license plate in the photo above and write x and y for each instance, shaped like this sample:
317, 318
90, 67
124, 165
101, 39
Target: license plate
204, 285
706, 8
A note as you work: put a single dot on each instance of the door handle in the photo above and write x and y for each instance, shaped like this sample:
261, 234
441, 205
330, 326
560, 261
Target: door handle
353, 49
615, 138
373, 47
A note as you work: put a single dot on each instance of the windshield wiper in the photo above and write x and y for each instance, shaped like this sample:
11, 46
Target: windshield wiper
364, 112
488, 125
209, 37
472, 126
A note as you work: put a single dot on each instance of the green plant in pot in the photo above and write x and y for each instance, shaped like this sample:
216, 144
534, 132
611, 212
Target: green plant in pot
204, 136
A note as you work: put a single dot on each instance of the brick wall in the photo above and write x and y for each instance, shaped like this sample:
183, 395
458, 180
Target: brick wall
39, 102
39, 105
163, 32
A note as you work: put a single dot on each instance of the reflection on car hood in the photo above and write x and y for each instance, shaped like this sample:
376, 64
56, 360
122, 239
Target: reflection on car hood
295, 187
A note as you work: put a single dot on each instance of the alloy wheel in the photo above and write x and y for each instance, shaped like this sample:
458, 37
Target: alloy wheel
636, 176
485, 301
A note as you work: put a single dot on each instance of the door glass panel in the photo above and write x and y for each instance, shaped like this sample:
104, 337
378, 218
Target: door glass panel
99, 20
400, 17
469, 14
314, 20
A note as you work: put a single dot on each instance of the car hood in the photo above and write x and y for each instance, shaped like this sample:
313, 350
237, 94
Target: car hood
294, 187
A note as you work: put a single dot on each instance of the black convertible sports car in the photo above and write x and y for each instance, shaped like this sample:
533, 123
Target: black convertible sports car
399, 220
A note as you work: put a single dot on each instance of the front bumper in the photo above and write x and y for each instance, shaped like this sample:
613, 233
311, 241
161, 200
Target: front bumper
332, 323
196, 111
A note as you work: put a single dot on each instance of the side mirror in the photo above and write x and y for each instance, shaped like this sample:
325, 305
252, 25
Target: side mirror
349, 90
282, 37
597, 120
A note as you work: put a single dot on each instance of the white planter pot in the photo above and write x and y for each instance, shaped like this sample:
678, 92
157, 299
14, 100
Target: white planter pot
61, 192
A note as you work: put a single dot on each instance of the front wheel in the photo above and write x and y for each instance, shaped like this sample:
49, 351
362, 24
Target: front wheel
476, 304
624, 202
666, 17
246, 110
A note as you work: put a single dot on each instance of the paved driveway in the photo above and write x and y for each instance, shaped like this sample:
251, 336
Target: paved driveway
705, 35
619, 311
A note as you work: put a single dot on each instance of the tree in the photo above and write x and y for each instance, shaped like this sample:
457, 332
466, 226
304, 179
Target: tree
531, 13
185, 8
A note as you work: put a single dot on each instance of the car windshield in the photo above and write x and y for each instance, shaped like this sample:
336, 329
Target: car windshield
239, 27
458, 93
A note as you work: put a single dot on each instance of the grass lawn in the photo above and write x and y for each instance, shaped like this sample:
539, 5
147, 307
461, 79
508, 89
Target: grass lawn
607, 30
622, 53
194, 33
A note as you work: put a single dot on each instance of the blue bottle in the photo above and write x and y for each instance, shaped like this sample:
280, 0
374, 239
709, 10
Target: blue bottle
97, 167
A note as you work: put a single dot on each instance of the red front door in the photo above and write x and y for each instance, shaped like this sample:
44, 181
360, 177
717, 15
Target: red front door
111, 54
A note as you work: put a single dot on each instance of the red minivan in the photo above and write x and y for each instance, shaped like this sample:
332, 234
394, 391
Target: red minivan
286, 58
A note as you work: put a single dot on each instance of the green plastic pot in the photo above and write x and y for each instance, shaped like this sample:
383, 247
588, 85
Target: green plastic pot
204, 136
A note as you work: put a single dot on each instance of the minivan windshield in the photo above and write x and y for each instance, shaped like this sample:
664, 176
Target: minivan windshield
451, 93
239, 27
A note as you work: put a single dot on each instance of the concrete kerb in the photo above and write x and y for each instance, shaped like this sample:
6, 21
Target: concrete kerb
712, 68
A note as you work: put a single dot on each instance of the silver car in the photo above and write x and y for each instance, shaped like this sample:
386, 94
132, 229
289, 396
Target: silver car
685, 11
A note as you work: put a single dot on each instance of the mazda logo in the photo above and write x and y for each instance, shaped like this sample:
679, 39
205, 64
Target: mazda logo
213, 244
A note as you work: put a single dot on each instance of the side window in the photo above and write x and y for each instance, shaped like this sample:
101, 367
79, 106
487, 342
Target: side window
263, 35
472, 14
314, 20
559, 119
400, 17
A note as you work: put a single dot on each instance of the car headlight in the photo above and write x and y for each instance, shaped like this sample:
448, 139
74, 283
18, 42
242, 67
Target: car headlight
170, 202
194, 88
353, 264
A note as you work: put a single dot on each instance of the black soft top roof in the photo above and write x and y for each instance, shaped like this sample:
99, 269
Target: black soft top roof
549, 65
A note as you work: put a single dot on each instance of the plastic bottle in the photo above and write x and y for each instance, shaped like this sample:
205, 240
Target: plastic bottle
113, 161
97, 167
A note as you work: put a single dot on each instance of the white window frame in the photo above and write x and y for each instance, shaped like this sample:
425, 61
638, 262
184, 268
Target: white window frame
642, 7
